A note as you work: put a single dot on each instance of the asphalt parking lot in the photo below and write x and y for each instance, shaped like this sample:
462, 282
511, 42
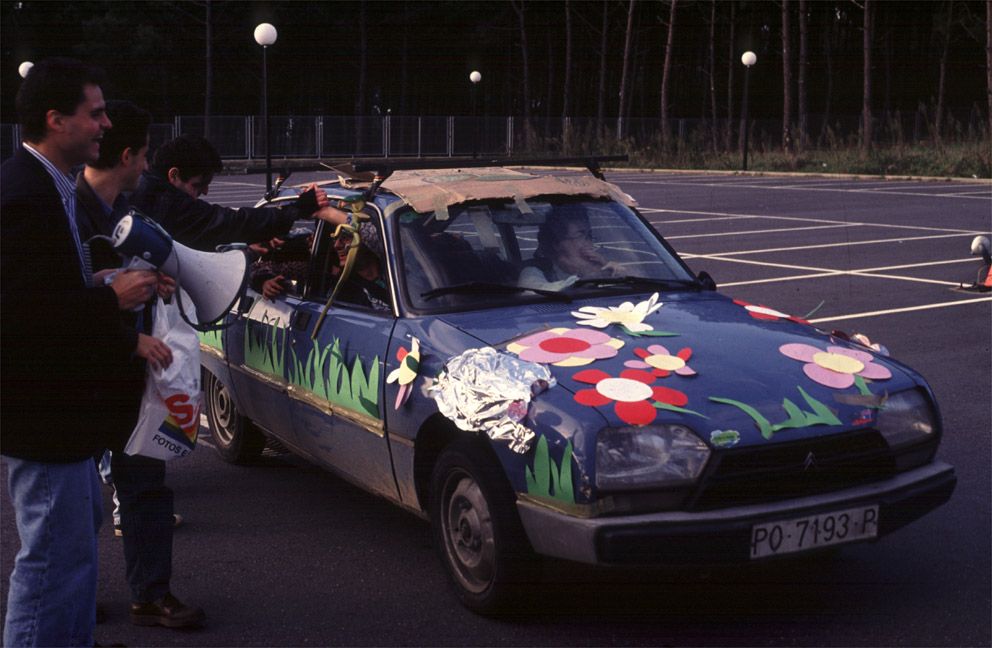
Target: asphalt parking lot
285, 554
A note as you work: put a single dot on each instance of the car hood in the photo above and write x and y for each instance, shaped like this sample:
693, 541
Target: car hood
736, 374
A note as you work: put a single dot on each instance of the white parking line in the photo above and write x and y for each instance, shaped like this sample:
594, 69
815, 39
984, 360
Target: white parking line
808, 188
906, 309
817, 273
831, 245
795, 219
762, 231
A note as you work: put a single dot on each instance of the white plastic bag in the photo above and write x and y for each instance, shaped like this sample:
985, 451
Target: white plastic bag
170, 407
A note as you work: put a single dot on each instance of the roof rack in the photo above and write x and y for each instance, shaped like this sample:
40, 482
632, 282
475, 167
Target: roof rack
385, 166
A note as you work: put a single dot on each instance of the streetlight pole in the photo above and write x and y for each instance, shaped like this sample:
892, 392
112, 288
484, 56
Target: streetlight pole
265, 35
748, 59
475, 77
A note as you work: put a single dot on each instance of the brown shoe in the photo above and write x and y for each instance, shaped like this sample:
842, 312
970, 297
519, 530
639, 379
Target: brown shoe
168, 611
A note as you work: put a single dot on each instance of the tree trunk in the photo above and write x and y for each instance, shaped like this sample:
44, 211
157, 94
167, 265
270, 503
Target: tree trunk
988, 61
566, 99
786, 79
828, 48
866, 126
938, 121
519, 8
549, 98
712, 72
803, 135
362, 59
665, 78
731, 63
601, 93
628, 38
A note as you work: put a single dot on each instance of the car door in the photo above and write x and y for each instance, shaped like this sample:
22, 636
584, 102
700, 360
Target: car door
336, 372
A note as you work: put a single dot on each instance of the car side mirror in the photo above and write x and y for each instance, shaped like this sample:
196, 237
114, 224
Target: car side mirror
706, 282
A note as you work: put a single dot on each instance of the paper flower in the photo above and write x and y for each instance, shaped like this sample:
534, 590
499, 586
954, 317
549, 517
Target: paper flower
661, 362
564, 347
406, 373
768, 314
627, 314
836, 367
631, 393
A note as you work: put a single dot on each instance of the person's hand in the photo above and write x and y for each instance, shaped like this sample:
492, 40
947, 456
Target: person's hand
332, 215
166, 286
264, 247
155, 351
319, 194
134, 287
100, 276
273, 288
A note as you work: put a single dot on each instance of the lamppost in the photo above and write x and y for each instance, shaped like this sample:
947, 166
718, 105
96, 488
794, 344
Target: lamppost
265, 35
475, 77
24, 68
748, 59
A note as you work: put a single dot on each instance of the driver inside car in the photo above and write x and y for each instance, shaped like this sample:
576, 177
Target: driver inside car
565, 253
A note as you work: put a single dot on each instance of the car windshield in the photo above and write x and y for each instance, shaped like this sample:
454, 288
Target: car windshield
495, 253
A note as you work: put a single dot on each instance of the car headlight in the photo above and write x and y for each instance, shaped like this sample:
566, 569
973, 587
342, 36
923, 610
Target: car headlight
644, 457
906, 418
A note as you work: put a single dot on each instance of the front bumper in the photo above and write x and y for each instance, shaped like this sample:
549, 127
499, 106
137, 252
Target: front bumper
723, 535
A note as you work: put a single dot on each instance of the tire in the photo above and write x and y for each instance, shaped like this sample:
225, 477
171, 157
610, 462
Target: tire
477, 531
236, 439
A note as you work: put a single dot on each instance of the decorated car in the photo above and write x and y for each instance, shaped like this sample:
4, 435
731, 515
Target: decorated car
519, 357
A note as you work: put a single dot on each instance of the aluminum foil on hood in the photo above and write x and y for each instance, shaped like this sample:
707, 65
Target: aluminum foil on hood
483, 389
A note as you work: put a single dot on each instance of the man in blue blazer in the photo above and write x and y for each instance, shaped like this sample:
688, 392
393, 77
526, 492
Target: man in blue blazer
61, 341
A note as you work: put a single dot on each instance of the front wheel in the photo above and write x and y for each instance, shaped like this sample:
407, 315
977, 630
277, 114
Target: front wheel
477, 531
237, 440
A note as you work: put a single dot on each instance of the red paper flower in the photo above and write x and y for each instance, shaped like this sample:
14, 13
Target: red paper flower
768, 314
632, 393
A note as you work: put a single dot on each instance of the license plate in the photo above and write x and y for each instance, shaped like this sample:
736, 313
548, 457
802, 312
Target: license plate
813, 531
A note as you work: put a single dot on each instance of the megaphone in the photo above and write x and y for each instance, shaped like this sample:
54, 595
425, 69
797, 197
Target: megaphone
208, 283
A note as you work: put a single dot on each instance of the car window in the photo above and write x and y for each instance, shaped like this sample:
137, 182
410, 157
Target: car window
367, 286
560, 246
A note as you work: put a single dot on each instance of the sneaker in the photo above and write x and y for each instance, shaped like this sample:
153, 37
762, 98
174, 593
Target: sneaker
177, 521
168, 611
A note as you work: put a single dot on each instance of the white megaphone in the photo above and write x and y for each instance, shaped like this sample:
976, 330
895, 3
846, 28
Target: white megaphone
213, 282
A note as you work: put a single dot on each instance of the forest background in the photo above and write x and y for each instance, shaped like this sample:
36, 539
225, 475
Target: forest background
839, 85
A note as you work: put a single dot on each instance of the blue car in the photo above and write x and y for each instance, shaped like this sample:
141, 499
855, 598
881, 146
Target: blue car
520, 358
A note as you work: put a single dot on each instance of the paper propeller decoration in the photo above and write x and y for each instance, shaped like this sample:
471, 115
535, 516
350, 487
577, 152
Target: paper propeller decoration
837, 367
627, 315
631, 393
564, 347
662, 363
768, 314
406, 373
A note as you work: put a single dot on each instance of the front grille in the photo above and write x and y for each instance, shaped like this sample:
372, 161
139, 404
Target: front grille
788, 470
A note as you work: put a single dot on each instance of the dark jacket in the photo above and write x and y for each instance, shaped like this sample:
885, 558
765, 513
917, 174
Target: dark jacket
202, 225
60, 341
92, 219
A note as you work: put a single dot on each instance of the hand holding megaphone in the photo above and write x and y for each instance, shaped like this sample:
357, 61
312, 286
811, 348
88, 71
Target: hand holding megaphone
134, 287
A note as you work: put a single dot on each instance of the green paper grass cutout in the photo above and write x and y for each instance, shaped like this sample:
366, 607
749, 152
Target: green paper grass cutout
876, 402
675, 408
798, 418
266, 352
548, 479
212, 339
648, 333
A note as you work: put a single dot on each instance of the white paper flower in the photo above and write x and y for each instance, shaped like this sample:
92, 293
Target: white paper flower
626, 314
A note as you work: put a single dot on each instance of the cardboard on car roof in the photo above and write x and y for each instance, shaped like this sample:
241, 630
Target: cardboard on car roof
429, 190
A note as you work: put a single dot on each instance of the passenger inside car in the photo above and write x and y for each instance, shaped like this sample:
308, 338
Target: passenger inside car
565, 253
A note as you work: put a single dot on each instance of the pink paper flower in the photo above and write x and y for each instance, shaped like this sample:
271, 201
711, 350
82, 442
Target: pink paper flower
631, 393
565, 347
662, 363
836, 367
768, 314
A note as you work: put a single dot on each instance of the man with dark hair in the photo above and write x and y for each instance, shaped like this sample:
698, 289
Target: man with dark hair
55, 376
182, 172
144, 517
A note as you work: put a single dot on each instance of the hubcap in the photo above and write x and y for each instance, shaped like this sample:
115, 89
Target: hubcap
221, 413
468, 532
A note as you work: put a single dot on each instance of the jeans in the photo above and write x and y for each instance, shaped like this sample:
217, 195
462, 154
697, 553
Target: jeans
146, 524
52, 598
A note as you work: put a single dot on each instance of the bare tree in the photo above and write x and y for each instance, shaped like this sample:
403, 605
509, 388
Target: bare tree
731, 60
601, 93
866, 126
520, 9
363, 40
712, 74
786, 78
566, 108
988, 60
628, 39
666, 78
828, 93
803, 69
938, 121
